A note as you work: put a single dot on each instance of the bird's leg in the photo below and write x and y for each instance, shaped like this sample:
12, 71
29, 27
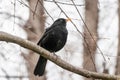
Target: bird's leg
56, 55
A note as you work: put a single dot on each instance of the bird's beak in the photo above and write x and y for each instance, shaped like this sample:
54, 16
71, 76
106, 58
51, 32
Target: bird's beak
68, 19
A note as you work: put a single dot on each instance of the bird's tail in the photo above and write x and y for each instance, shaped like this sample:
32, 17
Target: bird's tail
40, 67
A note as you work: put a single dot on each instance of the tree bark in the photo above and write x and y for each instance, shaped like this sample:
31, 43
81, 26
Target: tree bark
90, 34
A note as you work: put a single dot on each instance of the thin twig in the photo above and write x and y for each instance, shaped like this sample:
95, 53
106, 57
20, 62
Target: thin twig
88, 30
14, 13
92, 58
45, 10
35, 9
65, 3
28, 7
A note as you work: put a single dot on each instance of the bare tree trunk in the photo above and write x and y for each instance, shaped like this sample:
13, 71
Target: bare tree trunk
36, 23
91, 20
118, 56
36, 20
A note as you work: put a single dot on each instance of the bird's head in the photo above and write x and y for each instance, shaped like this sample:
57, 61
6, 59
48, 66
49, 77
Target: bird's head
61, 21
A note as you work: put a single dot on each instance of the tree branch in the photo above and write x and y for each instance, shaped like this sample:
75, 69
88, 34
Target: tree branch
29, 45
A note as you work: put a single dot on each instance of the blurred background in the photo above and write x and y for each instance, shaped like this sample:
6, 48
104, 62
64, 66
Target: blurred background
93, 41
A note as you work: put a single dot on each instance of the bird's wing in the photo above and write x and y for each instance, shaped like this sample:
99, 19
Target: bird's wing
46, 33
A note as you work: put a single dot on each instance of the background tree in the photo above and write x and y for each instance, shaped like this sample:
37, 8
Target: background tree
90, 34
35, 28
118, 54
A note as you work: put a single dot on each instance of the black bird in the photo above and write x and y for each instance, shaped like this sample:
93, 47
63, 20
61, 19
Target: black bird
52, 40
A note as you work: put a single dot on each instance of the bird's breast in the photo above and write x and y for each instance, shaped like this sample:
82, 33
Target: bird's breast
56, 41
